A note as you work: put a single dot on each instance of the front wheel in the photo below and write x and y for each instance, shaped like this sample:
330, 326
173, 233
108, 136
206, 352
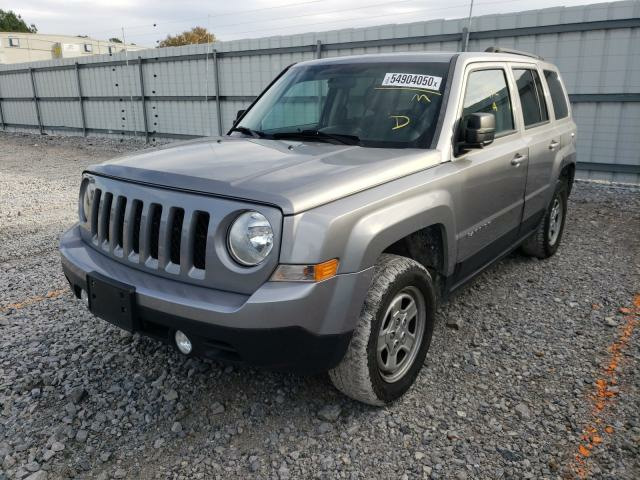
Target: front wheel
546, 239
392, 336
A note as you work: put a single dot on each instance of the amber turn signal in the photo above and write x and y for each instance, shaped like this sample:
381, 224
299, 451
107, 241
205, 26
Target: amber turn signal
306, 273
325, 270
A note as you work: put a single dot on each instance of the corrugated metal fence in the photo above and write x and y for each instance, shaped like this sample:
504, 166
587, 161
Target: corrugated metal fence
196, 90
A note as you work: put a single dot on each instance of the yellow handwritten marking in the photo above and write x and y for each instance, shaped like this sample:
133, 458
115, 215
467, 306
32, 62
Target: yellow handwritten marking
420, 97
409, 88
397, 119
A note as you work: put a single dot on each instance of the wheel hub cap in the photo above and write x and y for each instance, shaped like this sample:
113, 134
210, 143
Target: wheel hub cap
555, 221
401, 334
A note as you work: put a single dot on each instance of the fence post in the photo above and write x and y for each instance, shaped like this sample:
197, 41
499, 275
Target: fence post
35, 100
216, 76
79, 85
319, 49
464, 38
144, 101
4, 127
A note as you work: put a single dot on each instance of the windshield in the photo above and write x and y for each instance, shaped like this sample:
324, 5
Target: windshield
393, 105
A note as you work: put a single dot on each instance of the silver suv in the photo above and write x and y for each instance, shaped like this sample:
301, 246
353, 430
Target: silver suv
321, 232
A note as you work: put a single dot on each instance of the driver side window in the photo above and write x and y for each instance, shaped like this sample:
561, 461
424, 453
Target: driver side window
487, 92
301, 105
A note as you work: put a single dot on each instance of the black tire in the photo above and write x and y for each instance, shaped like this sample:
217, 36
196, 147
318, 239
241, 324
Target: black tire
359, 376
543, 243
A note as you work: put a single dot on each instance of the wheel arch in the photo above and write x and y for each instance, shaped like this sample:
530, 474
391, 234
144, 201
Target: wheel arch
404, 231
568, 173
426, 246
359, 230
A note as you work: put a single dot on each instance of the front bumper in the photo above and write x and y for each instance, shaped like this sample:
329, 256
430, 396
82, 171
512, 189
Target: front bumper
303, 327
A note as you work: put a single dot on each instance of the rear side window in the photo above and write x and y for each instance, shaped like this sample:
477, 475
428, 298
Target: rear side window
487, 92
534, 106
557, 94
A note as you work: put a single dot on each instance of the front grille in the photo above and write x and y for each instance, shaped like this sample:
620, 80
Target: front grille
140, 233
176, 235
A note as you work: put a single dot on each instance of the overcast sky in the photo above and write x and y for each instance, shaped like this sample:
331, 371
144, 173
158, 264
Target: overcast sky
148, 21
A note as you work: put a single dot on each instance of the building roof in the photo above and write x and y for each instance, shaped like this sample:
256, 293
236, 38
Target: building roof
62, 37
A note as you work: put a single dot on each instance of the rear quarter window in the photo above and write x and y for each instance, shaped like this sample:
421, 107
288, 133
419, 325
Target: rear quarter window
558, 98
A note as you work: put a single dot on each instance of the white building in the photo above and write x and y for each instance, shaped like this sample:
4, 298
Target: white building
28, 47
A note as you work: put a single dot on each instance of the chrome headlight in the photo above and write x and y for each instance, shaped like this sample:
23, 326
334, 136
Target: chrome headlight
250, 238
87, 193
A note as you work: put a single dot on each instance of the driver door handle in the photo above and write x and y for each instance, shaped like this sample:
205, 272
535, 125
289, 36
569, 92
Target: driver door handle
553, 145
518, 159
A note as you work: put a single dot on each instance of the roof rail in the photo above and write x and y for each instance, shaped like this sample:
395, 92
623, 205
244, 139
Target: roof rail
512, 51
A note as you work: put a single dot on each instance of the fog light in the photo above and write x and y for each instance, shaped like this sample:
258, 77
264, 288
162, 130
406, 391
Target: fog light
84, 297
183, 343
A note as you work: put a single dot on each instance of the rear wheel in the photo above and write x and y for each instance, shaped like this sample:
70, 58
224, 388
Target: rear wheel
392, 336
546, 239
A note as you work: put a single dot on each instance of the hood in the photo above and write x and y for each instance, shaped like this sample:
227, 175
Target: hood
294, 176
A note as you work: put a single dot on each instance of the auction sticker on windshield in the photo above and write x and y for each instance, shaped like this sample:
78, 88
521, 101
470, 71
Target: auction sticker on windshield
411, 80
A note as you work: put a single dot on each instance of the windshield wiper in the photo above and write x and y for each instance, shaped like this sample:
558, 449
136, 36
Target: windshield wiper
320, 136
248, 131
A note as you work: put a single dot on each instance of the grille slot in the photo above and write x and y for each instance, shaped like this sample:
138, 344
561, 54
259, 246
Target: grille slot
200, 239
95, 207
175, 237
104, 217
121, 208
137, 221
154, 241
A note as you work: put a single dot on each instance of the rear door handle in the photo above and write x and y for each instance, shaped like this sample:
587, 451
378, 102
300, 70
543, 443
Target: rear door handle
553, 145
518, 159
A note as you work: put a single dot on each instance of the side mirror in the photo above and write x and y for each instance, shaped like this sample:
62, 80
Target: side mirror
479, 129
239, 114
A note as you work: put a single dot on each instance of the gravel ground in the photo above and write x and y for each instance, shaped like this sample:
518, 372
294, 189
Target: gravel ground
532, 372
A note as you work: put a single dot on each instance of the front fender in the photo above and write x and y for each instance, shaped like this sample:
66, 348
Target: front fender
358, 228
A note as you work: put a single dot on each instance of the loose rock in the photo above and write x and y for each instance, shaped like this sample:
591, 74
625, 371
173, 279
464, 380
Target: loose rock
330, 413
523, 411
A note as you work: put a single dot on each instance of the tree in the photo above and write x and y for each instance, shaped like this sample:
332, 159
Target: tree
188, 37
10, 22
115, 40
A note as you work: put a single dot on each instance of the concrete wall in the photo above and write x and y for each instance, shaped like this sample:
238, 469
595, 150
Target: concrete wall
196, 90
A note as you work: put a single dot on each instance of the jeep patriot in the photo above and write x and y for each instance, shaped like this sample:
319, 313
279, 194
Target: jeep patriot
321, 232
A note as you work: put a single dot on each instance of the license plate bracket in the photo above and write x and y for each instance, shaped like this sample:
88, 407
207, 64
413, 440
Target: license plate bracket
112, 301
